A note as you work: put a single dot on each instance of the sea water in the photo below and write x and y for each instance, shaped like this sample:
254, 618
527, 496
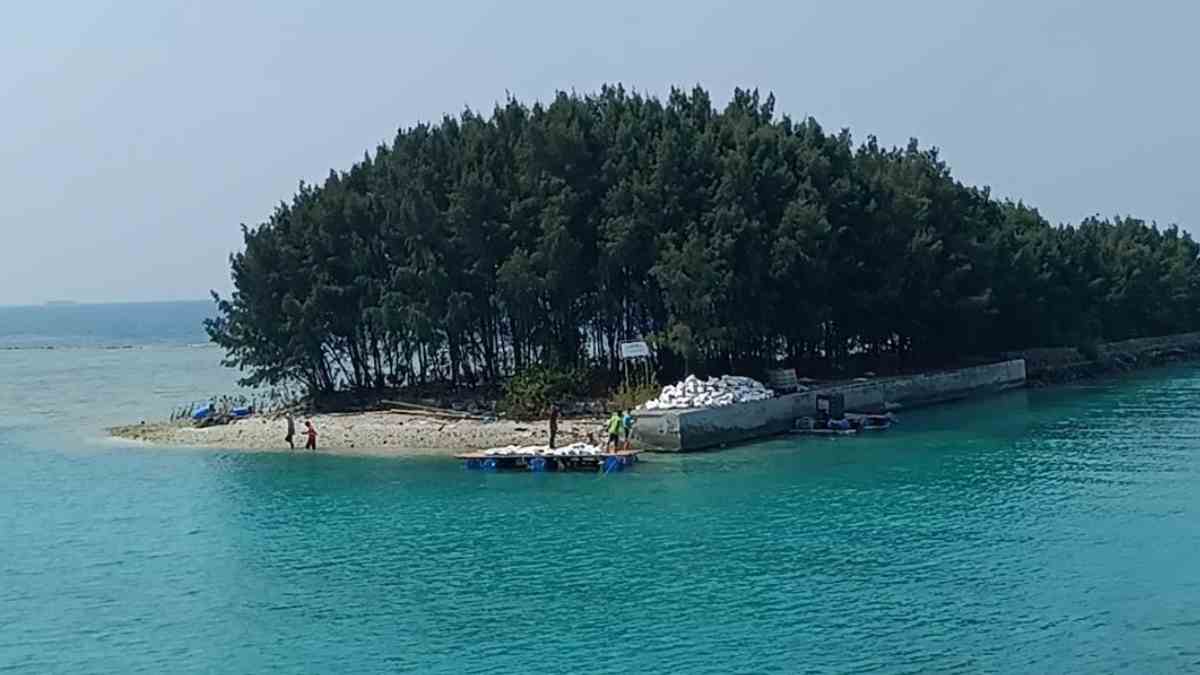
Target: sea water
1038, 531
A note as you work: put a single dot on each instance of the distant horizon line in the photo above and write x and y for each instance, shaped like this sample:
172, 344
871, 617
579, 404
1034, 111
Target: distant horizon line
74, 303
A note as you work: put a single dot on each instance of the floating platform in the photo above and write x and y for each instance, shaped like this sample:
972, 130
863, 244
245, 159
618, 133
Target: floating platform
608, 462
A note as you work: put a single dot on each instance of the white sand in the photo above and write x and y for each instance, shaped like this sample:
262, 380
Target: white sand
365, 433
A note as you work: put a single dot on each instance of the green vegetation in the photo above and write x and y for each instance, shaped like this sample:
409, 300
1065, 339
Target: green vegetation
529, 394
631, 395
473, 249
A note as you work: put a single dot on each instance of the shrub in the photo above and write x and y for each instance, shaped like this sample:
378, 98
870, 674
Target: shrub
631, 395
528, 394
1090, 349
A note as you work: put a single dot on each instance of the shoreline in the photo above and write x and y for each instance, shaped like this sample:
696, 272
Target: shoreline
383, 433
377, 433
1064, 365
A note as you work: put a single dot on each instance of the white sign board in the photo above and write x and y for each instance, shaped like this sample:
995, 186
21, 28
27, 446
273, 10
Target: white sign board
634, 350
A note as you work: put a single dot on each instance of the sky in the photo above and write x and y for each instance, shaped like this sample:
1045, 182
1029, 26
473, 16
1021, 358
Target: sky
136, 137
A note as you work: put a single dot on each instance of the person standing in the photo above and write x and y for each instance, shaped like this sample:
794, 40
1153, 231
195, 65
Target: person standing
627, 426
291, 431
614, 431
553, 423
311, 432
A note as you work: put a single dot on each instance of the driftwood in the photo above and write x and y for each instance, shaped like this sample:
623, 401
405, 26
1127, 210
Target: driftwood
402, 408
433, 415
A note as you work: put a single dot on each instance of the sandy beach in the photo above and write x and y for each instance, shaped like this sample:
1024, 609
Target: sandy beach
377, 433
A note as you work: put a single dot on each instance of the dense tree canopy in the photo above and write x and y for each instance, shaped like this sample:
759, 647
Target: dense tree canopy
732, 240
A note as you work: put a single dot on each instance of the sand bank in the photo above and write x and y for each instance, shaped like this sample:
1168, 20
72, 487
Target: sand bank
364, 433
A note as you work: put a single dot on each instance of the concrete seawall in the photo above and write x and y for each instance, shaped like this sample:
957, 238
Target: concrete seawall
697, 429
1062, 364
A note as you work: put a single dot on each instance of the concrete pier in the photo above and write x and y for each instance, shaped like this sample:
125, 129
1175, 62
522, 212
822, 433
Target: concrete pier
697, 429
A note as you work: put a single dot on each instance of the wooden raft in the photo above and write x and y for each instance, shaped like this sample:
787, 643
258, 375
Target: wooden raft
531, 461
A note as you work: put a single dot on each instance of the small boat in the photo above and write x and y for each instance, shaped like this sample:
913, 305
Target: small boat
812, 427
852, 424
871, 422
826, 432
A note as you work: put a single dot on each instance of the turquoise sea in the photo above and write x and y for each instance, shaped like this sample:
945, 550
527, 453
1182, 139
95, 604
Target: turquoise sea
1044, 531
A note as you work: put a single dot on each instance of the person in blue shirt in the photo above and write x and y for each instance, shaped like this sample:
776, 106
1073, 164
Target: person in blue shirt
627, 427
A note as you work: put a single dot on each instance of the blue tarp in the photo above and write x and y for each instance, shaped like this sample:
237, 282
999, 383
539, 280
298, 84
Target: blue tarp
201, 413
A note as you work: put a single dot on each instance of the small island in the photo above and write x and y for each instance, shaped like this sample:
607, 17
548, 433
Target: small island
514, 252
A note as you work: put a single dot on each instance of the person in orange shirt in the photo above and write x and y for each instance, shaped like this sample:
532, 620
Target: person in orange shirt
311, 432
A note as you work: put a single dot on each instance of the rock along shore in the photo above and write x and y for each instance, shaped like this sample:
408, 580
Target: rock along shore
1066, 364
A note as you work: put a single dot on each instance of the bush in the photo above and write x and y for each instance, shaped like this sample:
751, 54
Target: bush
631, 395
1090, 349
528, 394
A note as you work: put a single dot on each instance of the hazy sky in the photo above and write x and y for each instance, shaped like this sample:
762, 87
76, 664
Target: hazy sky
136, 136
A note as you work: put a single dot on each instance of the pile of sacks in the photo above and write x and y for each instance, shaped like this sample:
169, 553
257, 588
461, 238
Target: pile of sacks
572, 450
711, 393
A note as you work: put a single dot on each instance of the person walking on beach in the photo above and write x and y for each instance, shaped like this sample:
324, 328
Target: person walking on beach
553, 423
311, 432
627, 425
291, 431
614, 431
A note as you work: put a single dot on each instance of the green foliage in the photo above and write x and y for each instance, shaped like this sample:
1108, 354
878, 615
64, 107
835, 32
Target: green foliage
1090, 350
478, 247
631, 395
528, 394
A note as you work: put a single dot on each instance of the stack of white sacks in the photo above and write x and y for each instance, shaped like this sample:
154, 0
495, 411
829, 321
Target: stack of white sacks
572, 450
711, 393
